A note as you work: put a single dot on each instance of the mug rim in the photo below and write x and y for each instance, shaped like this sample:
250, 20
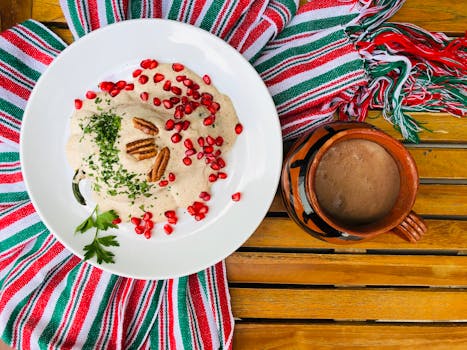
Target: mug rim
376, 136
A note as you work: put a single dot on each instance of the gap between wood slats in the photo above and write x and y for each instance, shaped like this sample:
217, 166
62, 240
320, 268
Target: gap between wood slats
275, 336
356, 304
347, 269
283, 233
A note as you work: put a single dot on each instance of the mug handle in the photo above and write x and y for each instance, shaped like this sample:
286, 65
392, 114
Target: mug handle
413, 227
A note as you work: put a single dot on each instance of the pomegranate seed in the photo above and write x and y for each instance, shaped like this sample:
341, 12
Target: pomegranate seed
187, 161
153, 64
203, 210
214, 107
158, 77
188, 82
143, 79
217, 153
207, 95
178, 114
176, 90
199, 217
188, 144
139, 230
156, 101
167, 85
212, 178
179, 126
144, 96
215, 166
209, 120
171, 177
120, 84
206, 102
106, 86
222, 175
116, 221
175, 100
184, 100
186, 125
208, 149
200, 155
238, 128
145, 63
167, 104
195, 86
135, 221
91, 95
176, 138
147, 234
219, 141
190, 152
168, 229
207, 79
137, 73
189, 92
149, 225
188, 109
196, 95
177, 67
78, 103
236, 196
190, 210
180, 78
205, 196
163, 183
147, 216
170, 214
172, 221
169, 124
114, 92
210, 140
200, 141
130, 87
221, 162
197, 205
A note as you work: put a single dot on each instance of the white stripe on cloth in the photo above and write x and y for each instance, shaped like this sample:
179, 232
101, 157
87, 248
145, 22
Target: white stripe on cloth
15, 51
12, 98
12, 229
13, 187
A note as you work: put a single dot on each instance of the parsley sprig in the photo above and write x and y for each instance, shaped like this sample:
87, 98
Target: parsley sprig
96, 248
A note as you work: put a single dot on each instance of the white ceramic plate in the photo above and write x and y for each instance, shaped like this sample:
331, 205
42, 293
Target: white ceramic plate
253, 165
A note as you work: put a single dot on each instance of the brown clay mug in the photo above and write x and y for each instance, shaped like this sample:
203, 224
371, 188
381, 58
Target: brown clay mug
297, 184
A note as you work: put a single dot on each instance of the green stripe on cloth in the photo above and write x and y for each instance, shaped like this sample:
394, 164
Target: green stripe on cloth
9, 157
135, 9
13, 62
109, 13
316, 25
212, 15
45, 35
13, 197
75, 19
175, 9
24, 235
183, 317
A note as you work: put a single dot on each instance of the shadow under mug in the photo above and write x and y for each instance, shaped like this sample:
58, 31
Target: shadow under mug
303, 205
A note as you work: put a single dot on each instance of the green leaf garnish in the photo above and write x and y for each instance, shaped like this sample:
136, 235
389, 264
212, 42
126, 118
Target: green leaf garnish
104, 220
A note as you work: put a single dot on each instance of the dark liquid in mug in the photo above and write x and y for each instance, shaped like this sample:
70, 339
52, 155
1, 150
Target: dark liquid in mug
357, 182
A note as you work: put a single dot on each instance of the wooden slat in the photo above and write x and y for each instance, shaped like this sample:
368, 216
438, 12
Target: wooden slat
347, 269
425, 13
283, 233
351, 304
13, 12
348, 336
431, 200
442, 127
450, 16
65, 34
441, 163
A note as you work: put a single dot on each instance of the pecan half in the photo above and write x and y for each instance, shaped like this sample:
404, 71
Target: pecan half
145, 126
159, 166
142, 149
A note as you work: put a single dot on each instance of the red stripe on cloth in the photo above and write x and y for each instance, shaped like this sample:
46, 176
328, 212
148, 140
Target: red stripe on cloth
220, 16
322, 4
10, 119
27, 48
171, 318
161, 325
255, 34
274, 16
83, 308
200, 312
37, 38
14, 87
18, 214
80, 14
9, 256
234, 16
20, 76
181, 15
135, 290
309, 65
43, 299
250, 18
157, 8
9, 133
224, 301
93, 14
11, 178
198, 7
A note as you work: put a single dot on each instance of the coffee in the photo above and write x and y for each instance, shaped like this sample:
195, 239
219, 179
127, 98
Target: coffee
357, 182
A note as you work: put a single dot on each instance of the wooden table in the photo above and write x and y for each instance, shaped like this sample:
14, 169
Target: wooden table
291, 291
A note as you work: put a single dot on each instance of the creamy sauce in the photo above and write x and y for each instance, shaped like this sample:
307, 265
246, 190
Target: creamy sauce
190, 180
